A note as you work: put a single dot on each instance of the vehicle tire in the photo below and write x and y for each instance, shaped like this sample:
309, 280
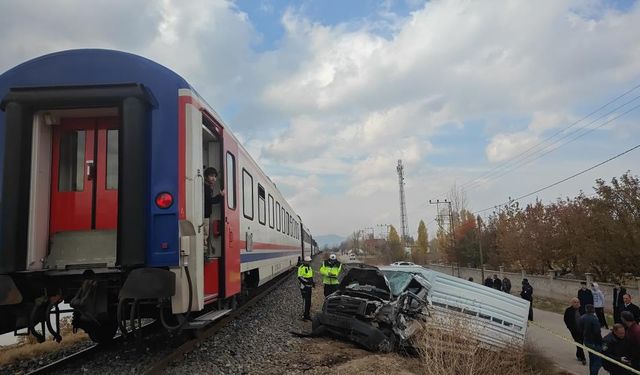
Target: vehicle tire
389, 343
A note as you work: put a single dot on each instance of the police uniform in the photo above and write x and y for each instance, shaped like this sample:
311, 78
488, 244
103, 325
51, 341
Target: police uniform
305, 276
330, 271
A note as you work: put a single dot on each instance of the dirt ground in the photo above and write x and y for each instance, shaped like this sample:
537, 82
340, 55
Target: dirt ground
320, 354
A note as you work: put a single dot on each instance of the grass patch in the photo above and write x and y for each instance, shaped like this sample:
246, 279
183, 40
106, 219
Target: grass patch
27, 346
556, 306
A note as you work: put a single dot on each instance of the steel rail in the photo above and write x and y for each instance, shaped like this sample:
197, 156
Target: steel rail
203, 334
83, 353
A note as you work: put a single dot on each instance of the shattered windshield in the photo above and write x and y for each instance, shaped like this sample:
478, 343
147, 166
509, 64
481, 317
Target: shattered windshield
398, 281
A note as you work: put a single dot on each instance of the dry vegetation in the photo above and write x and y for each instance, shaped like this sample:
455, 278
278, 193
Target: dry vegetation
449, 348
27, 347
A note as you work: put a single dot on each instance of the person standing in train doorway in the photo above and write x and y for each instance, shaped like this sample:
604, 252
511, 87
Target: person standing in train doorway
212, 195
305, 277
330, 271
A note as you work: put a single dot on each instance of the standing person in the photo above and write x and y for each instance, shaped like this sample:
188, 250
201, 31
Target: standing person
330, 270
629, 306
527, 293
585, 296
497, 283
506, 285
488, 282
615, 346
598, 304
212, 195
633, 338
589, 325
571, 317
305, 277
618, 302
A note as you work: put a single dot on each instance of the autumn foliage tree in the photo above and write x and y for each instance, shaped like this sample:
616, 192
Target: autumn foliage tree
599, 233
421, 248
393, 251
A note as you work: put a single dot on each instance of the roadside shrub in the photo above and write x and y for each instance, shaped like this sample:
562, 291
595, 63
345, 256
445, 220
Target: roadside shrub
448, 346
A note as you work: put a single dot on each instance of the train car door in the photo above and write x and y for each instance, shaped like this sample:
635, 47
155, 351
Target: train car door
231, 277
84, 186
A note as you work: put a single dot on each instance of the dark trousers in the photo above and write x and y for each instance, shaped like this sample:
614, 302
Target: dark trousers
330, 288
601, 318
595, 362
531, 310
616, 315
579, 352
306, 297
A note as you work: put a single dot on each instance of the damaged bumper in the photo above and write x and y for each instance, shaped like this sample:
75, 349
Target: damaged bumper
355, 330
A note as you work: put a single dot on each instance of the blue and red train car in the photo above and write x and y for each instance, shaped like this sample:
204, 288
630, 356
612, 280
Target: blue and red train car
103, 201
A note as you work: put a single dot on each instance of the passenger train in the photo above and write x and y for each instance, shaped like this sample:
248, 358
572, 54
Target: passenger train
103, 200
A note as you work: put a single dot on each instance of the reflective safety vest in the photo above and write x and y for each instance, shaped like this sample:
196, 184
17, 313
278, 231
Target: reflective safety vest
305, 276
330, 273
305, 271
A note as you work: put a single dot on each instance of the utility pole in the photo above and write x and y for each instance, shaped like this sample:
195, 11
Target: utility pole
480, 246
384, 230
403, 207
441, 217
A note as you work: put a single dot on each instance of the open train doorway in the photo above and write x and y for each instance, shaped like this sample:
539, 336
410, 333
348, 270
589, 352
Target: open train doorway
213, 223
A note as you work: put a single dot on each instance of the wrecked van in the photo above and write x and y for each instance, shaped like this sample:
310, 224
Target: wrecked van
383, 308
378, 312
496, 319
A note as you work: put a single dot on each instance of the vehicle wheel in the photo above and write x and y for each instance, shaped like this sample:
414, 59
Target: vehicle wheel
389, 343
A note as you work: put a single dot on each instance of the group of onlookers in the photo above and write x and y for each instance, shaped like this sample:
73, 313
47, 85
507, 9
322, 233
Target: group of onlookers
505, 286
585, 318
495, 283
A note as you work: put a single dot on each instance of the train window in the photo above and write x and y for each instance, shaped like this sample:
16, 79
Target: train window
270, 209
112, 159
247, 194
282, 217
287, 224
231, 181
71, 161
262, 214
278, 221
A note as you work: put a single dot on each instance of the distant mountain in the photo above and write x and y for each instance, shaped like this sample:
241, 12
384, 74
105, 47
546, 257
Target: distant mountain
329, 240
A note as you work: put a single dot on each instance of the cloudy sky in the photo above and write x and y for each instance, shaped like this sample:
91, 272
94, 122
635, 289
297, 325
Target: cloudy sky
327, 95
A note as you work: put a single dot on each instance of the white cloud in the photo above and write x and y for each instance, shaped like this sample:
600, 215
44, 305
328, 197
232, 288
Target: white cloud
348, 100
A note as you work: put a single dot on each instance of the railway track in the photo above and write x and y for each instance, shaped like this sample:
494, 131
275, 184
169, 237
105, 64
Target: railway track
176, 354
86, 352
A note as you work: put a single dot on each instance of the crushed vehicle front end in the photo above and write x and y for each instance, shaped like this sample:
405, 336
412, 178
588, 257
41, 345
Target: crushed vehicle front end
373, 313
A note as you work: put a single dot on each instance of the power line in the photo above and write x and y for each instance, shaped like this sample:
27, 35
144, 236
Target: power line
526, 159
561, 181
526, 162
504, 163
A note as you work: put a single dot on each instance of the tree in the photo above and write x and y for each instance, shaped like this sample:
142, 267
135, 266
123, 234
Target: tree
421, 248
394, 249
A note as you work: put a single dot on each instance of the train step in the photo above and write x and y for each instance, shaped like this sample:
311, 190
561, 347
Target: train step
207, 318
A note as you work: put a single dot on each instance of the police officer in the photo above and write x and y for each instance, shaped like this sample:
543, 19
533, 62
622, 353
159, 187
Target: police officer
305, 276
330, 270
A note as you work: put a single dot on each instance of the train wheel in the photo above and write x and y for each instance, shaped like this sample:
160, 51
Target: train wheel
103, 333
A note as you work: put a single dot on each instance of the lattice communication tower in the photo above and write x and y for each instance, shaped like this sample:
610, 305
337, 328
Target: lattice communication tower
403, 207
